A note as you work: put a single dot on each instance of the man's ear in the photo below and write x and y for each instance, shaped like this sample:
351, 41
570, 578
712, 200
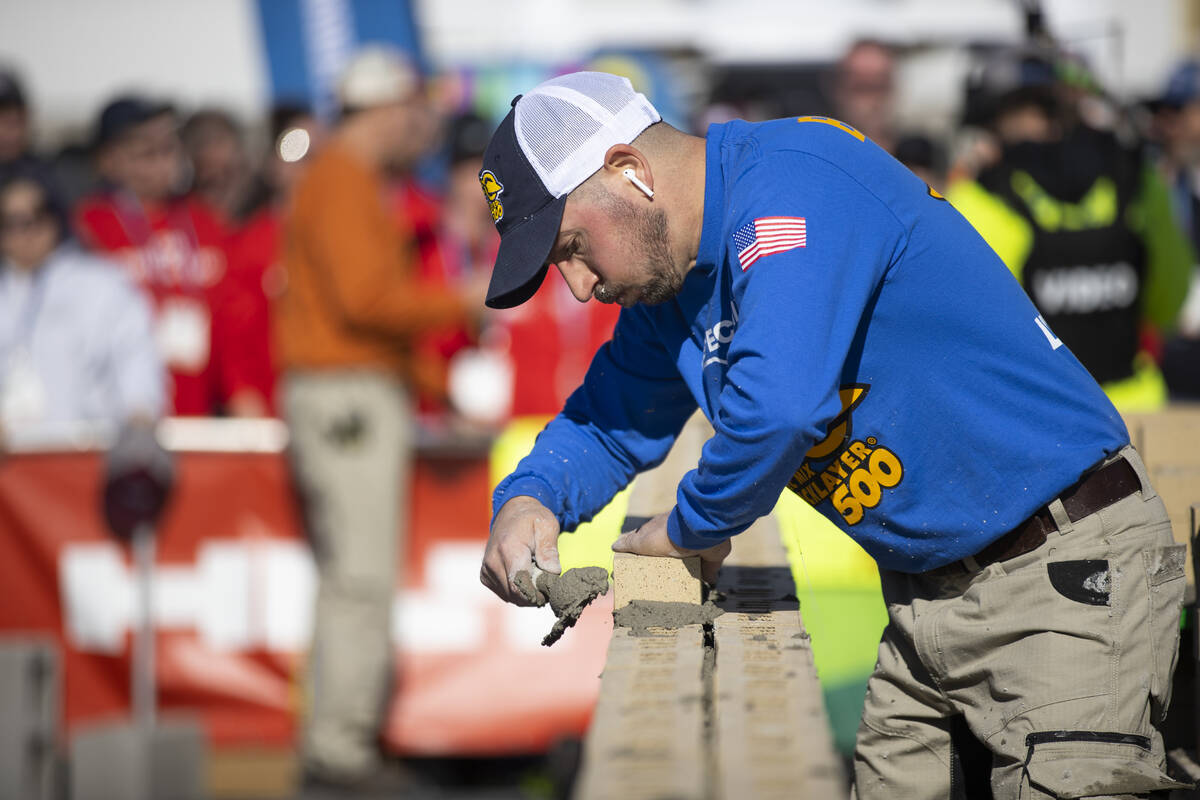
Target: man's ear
621, 157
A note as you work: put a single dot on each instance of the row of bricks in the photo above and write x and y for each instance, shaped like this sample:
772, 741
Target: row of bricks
647, 732
766, 733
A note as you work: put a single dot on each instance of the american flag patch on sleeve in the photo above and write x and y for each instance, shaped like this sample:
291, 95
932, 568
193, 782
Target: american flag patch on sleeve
767, 235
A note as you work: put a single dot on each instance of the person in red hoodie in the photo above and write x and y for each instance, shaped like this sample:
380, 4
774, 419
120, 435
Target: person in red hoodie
172, 247
243, 322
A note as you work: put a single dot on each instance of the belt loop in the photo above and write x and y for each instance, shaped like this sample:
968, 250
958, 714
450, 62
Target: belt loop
1060, 516
1135, 460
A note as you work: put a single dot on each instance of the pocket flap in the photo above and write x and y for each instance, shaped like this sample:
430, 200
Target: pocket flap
1071, 764
1165, 563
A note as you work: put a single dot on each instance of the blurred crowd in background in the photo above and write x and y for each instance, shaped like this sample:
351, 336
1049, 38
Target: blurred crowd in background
1091, 203
193, 226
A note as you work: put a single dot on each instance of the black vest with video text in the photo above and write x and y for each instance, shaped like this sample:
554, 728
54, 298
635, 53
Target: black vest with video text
1086, 268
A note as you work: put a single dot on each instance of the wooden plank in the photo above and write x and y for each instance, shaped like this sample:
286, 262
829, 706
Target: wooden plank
253, 773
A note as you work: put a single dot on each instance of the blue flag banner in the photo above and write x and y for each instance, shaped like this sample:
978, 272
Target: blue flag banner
308, 42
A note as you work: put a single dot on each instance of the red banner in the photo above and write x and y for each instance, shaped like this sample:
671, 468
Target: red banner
234, 587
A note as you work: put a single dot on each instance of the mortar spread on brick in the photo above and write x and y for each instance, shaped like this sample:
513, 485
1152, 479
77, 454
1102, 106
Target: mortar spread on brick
708, 669
642, 615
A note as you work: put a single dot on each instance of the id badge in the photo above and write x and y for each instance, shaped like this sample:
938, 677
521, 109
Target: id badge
481, 384
22, 392
183, 331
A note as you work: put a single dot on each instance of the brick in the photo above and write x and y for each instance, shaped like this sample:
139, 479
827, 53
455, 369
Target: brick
675, 580
770, 730
757, 729
647, 732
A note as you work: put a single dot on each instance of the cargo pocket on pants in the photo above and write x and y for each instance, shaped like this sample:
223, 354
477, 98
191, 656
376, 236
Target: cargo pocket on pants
1165, 581
1070, 764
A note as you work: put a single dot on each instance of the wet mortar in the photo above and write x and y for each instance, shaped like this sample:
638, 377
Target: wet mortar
568, 594
641, 615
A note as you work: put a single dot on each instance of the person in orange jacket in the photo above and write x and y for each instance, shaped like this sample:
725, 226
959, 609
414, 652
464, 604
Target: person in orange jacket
249, 371
347, 325
171, 246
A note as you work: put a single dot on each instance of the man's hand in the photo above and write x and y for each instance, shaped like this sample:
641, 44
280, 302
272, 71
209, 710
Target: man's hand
651, 540
524, 534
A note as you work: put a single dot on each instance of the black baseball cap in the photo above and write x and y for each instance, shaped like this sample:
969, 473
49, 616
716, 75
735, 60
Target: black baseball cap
1183, 87
11, 93
468, 136
125, 113
552, 140
1007, 77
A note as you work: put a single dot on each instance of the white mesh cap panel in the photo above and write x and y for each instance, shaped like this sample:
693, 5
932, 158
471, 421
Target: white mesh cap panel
610, 92
552, 129
566, 125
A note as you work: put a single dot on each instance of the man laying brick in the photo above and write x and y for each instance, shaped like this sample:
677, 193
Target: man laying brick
852, 339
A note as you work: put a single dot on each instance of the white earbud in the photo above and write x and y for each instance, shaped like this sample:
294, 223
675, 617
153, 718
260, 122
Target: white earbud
636, 181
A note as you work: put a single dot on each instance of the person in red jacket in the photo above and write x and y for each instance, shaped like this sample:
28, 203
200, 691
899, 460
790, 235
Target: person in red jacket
248, 369
171, 247
552, 341
547, 342
419, 211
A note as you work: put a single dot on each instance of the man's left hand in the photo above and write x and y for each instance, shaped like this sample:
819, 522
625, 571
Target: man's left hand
651, 540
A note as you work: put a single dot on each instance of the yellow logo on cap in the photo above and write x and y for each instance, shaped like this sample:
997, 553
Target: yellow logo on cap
492, 188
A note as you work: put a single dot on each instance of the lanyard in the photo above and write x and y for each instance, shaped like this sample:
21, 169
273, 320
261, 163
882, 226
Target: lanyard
138, 231
27, 318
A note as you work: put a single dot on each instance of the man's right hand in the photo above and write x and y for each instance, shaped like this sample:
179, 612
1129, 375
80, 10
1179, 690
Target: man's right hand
524, 534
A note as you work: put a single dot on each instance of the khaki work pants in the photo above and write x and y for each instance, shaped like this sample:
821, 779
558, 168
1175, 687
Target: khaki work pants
351, 447
1059, 661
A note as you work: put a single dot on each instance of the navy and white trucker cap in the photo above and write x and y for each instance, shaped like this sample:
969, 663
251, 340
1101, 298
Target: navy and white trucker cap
554, 138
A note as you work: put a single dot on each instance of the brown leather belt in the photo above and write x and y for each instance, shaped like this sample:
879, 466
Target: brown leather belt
1097, 489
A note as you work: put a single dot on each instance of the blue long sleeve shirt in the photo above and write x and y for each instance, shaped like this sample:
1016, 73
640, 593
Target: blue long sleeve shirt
851, 338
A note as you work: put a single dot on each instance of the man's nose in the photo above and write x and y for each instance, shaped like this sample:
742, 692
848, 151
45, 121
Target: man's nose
579, 278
